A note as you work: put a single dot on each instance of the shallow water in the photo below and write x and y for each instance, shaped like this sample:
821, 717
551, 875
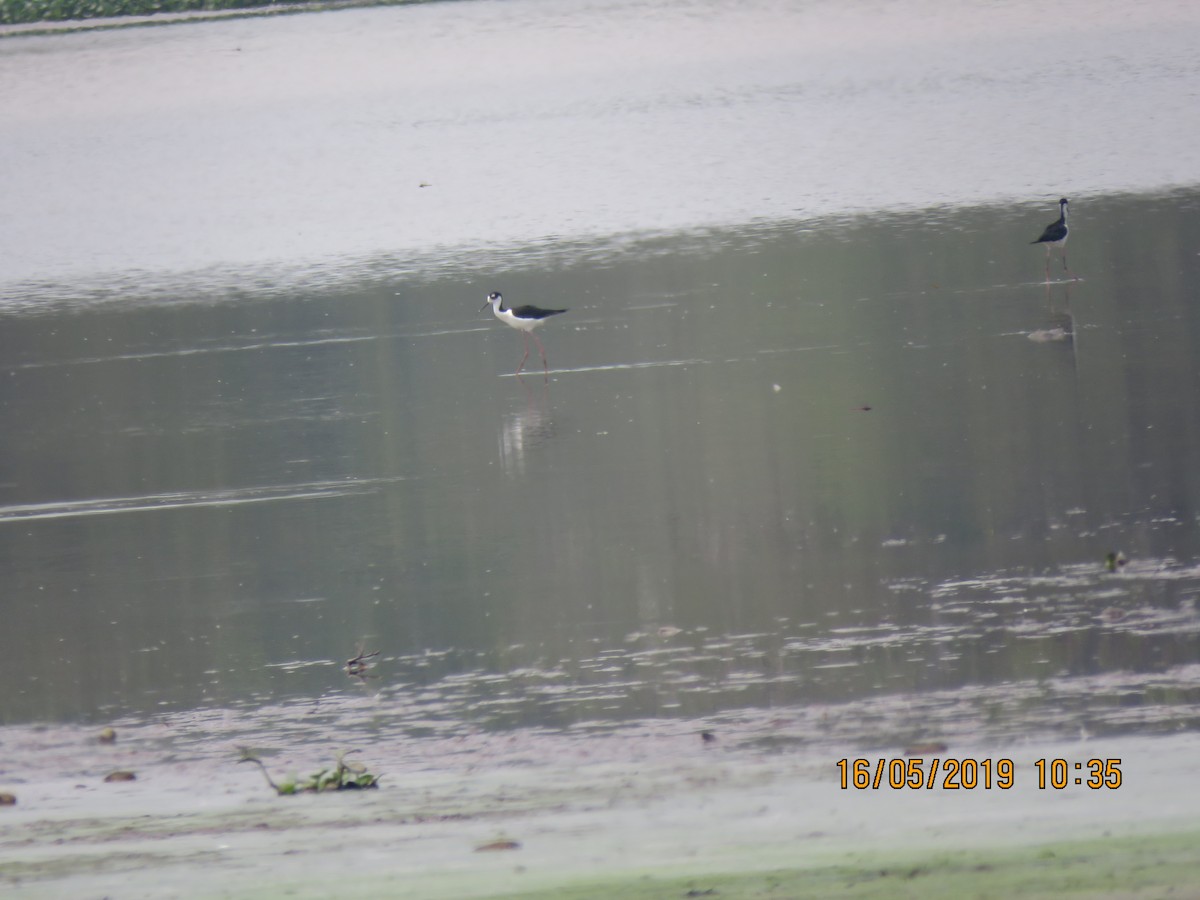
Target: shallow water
859, 470
218, 503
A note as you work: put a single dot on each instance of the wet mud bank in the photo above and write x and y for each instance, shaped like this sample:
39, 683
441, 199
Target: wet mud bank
622, 815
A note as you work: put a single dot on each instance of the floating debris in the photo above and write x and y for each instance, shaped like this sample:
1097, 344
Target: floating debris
344, 776
497, 845
358, 666
1114, 560
120, 775
708, 737
8, 799
107, 736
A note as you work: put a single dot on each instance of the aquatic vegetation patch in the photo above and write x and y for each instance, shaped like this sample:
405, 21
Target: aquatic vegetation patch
343, 776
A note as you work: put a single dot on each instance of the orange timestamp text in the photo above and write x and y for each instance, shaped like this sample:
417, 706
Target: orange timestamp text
953, 774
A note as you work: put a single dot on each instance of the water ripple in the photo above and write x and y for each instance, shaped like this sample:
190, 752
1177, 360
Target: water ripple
102, 506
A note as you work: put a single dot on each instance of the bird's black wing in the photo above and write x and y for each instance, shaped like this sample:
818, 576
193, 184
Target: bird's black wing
535, 312
1056, 231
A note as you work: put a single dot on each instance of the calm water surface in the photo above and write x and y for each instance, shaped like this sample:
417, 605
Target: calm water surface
819, 445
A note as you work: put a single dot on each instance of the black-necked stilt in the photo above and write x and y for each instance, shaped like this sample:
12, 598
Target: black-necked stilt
1055, 235
524, 319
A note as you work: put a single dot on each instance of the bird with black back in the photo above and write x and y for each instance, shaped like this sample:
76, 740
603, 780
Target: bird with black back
524, 319
1055, 235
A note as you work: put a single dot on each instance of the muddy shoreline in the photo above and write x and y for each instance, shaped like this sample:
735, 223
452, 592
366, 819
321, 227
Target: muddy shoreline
642, 815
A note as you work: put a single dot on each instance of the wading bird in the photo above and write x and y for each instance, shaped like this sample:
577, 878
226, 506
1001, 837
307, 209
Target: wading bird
1055, 235
524, 319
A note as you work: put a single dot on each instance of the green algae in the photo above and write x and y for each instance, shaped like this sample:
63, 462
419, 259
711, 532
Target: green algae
22, 11
1141, 866
343, 776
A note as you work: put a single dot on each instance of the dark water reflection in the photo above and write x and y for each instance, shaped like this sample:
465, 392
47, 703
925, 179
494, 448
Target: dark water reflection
780, 468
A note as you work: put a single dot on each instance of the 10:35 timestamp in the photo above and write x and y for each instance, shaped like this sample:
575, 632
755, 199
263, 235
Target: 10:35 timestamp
1058, 773
954, 774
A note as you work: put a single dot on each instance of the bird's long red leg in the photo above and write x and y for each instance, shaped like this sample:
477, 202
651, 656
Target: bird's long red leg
1067, 268
526, 356
542, 350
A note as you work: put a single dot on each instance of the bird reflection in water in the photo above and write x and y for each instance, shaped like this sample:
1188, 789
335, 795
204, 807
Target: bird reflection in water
525, 430
1059, 326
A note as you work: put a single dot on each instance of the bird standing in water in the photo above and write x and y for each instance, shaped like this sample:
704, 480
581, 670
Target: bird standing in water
524, 319
1055, 235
